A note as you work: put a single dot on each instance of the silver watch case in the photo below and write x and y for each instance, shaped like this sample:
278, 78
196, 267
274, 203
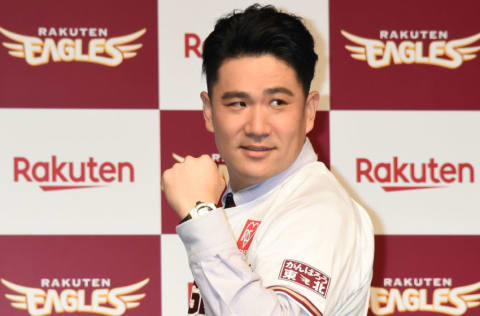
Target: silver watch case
202, 208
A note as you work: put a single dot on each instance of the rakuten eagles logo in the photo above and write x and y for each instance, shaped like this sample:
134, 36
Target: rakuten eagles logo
66, 44
398, 175
55, 174
430, 47
434, 295
70, 295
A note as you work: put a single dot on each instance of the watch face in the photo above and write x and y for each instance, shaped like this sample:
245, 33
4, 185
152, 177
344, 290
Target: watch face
203, 210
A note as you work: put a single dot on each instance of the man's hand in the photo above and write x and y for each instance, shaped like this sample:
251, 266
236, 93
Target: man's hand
195, 179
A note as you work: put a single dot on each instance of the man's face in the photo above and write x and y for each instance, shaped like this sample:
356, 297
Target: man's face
260, 116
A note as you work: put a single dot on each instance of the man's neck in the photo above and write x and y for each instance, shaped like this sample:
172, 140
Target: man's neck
249, 192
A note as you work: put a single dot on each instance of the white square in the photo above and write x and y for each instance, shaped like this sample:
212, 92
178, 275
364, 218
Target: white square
181, 80
445, 201
126, 202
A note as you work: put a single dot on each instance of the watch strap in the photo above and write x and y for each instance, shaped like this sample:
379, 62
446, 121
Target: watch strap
186, 218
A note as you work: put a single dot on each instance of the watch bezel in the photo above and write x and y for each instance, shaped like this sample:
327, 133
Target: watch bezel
201, 209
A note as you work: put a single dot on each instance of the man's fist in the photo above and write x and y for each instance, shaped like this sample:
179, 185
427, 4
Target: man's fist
194, 179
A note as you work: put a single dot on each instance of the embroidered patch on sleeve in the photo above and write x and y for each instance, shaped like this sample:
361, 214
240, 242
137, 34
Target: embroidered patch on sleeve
305, 275
247, 234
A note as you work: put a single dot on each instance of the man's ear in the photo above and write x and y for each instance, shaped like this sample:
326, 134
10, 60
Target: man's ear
311, 105
207, 111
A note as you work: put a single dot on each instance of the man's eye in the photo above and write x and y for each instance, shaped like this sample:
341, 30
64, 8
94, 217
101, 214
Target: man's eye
236, 104
277, 102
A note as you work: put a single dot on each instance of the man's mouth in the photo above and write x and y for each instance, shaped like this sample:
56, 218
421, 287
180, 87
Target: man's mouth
257, 148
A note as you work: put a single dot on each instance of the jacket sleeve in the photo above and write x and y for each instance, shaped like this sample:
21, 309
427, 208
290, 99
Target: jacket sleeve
226, 281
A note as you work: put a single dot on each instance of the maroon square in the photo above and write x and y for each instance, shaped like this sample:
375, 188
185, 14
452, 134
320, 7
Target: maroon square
90, 264
410, 83
66, 33
426, 275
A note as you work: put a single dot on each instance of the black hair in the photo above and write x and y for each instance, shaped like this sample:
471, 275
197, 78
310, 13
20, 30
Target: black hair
260, 30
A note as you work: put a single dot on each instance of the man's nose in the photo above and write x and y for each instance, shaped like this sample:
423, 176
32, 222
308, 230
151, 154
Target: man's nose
257, 125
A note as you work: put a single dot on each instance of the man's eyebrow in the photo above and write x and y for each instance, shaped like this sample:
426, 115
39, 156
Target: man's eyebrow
235, 94
271, 91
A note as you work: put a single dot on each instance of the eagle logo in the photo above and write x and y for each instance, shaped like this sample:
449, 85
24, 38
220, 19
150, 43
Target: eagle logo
109, 52
456, 301
39, 302
448, 54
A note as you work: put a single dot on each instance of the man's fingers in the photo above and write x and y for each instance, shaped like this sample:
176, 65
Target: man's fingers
222, 169
194, 179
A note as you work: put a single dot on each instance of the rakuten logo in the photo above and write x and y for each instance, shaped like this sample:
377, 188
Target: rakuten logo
63, 175
399, 176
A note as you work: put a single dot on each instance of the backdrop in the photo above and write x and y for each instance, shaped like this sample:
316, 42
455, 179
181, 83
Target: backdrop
97, 98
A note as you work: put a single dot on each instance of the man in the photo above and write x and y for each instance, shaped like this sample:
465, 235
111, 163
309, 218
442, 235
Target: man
294, 243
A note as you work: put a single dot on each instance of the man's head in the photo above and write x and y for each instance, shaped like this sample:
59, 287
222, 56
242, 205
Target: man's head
259, 66
260, 31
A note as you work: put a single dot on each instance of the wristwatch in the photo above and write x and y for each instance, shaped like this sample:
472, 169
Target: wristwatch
200, 209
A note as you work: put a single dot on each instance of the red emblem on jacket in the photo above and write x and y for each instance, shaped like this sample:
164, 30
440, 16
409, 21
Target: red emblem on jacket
247, 234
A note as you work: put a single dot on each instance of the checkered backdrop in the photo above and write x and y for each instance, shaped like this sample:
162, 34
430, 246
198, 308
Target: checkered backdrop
97, 98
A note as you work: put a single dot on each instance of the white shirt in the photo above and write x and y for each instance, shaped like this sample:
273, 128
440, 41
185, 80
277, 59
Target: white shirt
296, 244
